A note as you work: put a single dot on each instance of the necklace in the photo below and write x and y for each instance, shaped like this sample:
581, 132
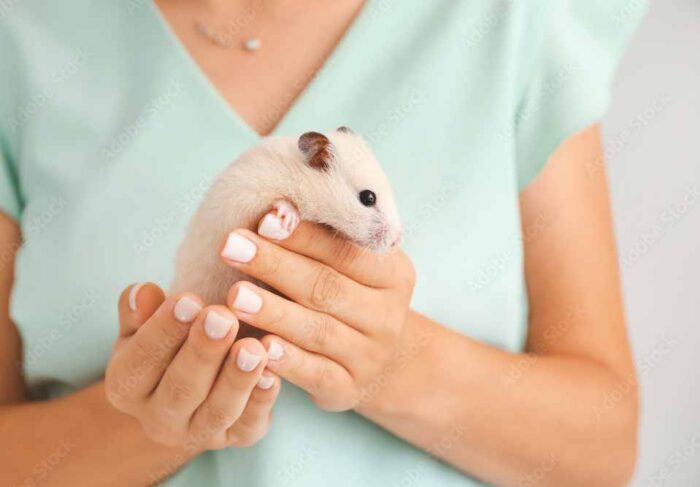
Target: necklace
224, 40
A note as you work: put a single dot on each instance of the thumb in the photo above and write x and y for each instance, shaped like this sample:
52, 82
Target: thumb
136, 305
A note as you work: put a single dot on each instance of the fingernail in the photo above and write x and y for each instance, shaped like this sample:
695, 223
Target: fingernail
266, 381
217, 326
132, 295
271, 227
247, 300
275, 352
247, 361
239, 249
186, 309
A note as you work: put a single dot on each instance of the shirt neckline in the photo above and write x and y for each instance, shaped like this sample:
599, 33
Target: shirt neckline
323, 75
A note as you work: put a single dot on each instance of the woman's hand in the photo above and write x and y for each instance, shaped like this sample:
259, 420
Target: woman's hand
176, 368
346, 312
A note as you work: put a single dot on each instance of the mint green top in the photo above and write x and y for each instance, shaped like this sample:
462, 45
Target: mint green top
109, 135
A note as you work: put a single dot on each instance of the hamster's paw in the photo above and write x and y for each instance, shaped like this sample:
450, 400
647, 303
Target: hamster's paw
280, 223
288, 214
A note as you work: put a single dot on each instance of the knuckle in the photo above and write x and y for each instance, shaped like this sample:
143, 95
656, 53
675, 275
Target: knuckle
260, 400
115, 396
346, 254
176, 390
276, 317
173, 333
217, 442
143, 355
390, 324
216, 418
327, 288
270, 264
249, 431
323, 378
160, 432
203, 352
317, 331
337, 403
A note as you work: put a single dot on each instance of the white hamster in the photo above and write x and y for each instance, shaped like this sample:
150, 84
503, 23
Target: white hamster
332, 179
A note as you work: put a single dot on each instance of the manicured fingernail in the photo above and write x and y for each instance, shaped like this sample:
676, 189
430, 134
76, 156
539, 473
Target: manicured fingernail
247, 300
275, 352
266, 381
132, 295
239, 249
271, 227
217, 326
247, 361
186, 309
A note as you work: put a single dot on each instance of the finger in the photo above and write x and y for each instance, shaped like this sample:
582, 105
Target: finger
255, 420
229, 396
321, 243
309, 329
191, 374
325, 380
306, 281
136, 304
143, 358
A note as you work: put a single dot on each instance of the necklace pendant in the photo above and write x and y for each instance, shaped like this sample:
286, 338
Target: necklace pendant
252, 44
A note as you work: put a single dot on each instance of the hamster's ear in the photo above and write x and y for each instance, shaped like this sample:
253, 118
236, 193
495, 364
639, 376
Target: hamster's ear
317, 149
345, 130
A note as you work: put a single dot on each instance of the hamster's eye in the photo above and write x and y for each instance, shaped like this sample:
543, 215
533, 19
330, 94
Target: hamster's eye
368, 198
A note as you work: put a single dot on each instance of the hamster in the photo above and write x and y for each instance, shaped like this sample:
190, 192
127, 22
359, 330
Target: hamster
331, 179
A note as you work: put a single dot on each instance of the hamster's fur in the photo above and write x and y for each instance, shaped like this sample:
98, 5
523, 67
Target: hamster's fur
320, 175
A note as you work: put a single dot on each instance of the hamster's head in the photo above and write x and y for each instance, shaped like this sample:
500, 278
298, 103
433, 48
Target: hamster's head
346, 189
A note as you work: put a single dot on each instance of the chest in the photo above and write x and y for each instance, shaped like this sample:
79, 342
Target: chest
295, 39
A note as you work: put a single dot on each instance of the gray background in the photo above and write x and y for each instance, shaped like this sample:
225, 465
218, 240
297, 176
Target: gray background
652, 143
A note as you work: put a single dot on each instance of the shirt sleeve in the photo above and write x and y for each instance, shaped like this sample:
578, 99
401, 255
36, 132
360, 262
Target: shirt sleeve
10, 202
571, 73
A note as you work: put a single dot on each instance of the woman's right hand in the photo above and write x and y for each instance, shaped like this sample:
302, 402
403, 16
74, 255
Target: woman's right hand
176, 368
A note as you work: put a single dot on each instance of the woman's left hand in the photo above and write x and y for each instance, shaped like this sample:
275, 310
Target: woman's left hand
344, 317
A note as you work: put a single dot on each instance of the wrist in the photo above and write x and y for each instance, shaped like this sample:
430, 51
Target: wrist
400, 388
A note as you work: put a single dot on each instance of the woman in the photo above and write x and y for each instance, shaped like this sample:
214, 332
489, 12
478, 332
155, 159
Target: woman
507, 363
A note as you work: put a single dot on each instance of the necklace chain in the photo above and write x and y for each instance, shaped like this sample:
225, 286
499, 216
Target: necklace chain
250, 44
